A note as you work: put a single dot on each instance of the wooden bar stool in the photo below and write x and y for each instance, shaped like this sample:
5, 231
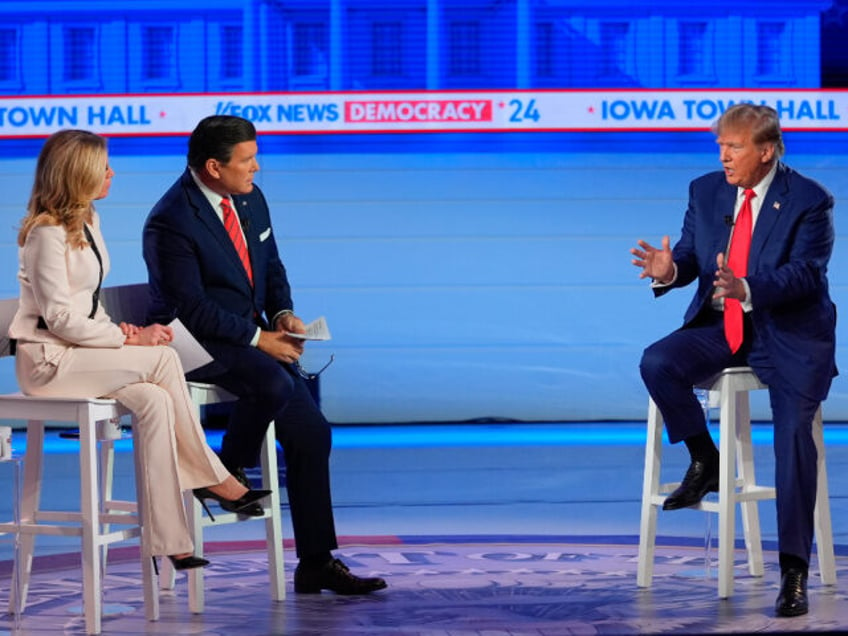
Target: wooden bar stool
737, 484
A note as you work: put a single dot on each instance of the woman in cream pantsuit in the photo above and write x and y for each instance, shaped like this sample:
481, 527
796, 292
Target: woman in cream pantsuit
67, 346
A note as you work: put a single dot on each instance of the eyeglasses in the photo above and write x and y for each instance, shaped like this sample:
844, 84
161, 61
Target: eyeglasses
306, 375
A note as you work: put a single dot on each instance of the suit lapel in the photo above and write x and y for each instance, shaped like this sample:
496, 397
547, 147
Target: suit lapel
773, 206
725, 204
209, 218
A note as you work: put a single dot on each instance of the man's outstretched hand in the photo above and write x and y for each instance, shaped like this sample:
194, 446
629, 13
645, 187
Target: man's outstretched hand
655, 263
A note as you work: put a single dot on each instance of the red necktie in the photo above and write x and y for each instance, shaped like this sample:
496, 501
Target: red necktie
233, 228
737, 261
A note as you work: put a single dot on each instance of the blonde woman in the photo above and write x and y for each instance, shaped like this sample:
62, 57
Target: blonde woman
67, 346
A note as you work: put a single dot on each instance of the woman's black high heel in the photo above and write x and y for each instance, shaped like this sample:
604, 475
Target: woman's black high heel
186, 563
230, 505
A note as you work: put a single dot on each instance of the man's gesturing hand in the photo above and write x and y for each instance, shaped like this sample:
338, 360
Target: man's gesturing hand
655, 263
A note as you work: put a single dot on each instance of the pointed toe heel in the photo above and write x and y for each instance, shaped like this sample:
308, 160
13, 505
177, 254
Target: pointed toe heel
230, 505
188, 563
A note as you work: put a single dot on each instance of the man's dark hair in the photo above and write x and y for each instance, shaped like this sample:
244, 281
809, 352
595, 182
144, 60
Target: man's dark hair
214, 138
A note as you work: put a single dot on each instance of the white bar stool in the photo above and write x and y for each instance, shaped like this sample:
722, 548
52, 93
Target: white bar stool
203, 394
7, 457
737, 484
97, 513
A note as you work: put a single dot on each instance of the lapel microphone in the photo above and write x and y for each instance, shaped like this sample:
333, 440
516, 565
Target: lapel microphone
728, 220
245, 221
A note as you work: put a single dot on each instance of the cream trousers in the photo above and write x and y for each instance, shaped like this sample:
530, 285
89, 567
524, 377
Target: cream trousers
149, 381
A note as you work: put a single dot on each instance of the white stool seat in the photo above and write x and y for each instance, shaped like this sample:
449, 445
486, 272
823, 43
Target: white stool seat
737, 484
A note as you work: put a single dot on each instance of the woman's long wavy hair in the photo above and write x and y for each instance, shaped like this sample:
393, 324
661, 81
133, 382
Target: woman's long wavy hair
68, 177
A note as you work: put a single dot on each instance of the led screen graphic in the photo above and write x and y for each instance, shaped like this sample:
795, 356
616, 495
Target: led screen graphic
349, 66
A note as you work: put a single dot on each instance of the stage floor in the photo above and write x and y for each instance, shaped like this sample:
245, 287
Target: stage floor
533, 586
480, 530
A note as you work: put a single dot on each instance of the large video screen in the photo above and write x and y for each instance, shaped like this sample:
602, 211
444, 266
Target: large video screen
152, 68
452, 182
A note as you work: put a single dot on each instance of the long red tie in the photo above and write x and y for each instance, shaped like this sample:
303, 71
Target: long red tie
737, 261
231, 224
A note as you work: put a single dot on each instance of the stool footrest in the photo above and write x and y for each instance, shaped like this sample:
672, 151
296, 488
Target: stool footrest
72, 531
120, 518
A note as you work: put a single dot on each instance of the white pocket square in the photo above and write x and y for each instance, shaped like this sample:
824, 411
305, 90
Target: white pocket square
265, 234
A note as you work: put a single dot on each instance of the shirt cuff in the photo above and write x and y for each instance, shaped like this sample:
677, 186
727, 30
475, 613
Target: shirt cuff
255, 340
655, 283
747, 305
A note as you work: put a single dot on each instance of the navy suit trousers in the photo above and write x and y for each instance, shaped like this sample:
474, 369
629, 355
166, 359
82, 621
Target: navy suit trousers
671, 366
268, 390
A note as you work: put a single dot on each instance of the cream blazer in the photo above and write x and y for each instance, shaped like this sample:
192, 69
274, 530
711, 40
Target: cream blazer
57, 282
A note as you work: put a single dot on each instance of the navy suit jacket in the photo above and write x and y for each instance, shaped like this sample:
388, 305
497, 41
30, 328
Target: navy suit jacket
793, 317
196, 275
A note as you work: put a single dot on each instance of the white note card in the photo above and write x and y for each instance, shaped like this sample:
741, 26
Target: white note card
315, 330
191, 352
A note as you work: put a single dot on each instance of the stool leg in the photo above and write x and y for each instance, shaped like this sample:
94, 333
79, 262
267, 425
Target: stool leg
15, 607
196, 592
194, 516
650, 494
92, 582
726, 491
30, 503
148, 576
107, 480
704, 399
745, 471
273, 522
167, 575
824, 529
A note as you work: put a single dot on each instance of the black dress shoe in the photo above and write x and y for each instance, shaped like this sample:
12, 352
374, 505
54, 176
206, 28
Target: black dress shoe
792, 600
241, 477
251, 510
700, 478
254, 509
334, 576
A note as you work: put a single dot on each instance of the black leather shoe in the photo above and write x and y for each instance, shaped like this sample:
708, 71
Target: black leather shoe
792, 600
241, 477
700, 478
251, 510
334, 576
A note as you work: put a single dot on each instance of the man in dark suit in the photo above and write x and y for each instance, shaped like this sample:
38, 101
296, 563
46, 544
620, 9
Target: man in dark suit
776, 285
212, 262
